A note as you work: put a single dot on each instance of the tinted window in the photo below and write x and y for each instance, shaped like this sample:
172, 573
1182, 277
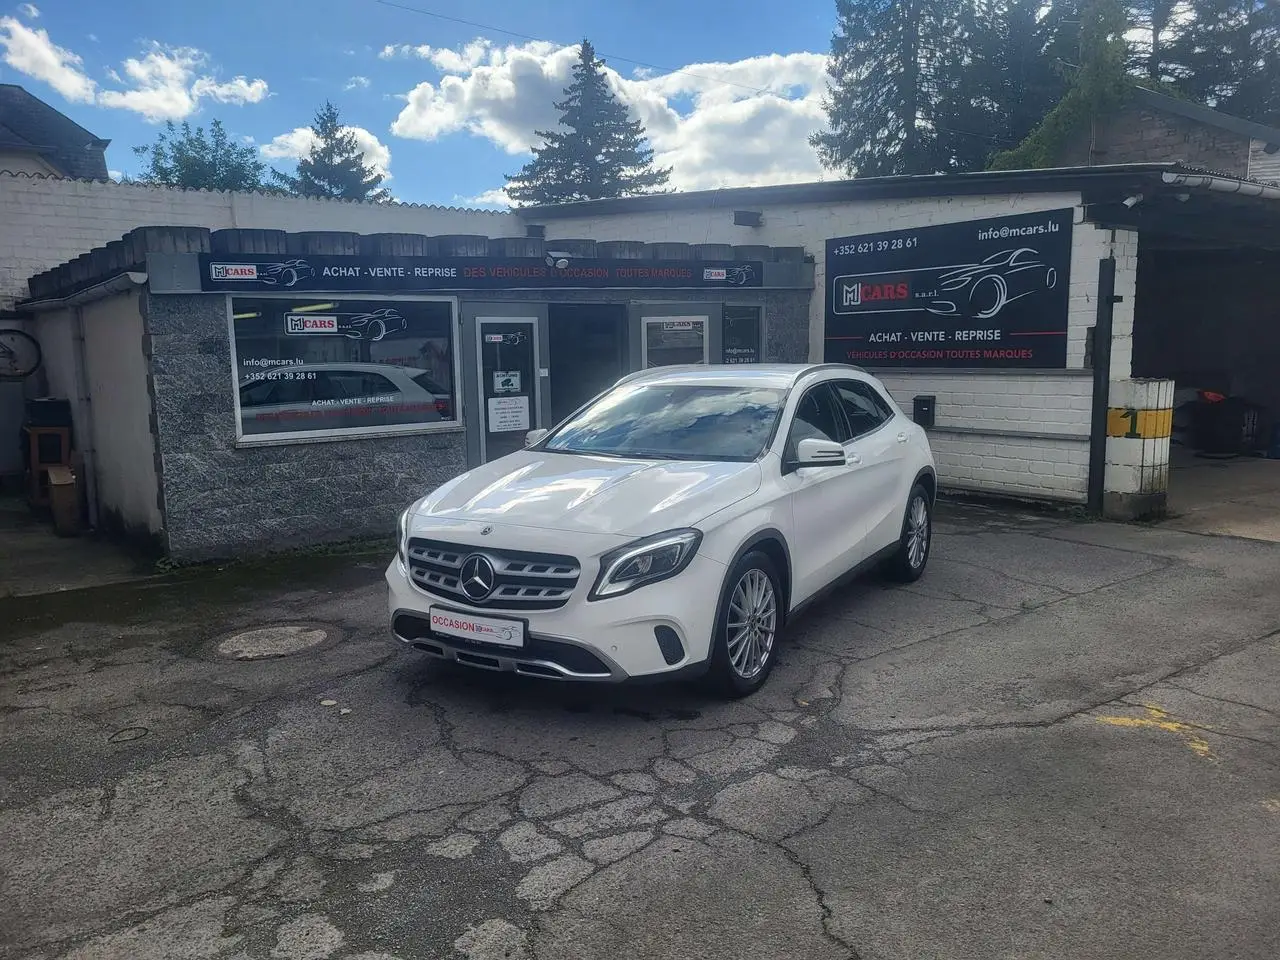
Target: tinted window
817, 418
674, 422
864, 408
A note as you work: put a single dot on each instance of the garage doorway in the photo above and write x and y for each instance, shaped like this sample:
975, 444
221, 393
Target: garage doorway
1209, 320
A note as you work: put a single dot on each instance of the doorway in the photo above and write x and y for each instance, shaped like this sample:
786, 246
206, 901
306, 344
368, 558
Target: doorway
588, 352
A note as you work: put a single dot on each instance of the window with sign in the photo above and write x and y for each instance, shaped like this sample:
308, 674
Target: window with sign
741, 334
316, 367
674, 340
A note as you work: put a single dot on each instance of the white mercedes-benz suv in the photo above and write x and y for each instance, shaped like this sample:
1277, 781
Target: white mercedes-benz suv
670, 527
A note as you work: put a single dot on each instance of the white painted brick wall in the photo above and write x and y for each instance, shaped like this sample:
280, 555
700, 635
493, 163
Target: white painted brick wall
46, 221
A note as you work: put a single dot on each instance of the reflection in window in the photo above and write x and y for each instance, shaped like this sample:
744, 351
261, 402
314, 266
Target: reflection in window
315, 365
679, 422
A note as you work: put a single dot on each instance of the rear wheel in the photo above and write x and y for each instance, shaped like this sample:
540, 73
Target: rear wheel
745, 644
908, 563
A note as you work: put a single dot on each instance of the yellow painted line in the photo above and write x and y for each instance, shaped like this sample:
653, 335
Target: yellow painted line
1139, 424
1157, 719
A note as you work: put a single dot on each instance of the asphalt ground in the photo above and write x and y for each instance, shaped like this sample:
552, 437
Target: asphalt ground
1062, 742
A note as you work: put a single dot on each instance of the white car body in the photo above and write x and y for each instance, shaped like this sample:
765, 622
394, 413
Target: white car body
819, 523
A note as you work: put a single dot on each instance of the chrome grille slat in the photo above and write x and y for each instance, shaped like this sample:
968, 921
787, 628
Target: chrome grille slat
524, 580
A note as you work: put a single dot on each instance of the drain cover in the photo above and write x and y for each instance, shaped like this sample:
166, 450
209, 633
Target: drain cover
277, 640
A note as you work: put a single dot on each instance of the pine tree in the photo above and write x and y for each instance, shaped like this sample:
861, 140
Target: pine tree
182, 157
598, 153
1229, 57
334, 167
892, 64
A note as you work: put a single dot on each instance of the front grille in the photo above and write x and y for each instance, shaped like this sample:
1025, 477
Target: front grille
522, 580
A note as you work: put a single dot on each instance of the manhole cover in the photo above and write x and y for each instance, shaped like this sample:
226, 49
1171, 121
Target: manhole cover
277, 640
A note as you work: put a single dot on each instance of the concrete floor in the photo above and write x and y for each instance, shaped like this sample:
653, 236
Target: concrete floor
34, 559
1062, 743
1239, 497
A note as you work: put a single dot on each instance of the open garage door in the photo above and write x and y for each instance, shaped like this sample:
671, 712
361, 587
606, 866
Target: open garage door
1207, 317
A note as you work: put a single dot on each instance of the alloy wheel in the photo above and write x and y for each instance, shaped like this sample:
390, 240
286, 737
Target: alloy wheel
918, 533
752, 624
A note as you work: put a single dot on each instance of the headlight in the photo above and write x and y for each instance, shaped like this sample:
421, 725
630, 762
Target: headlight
402, 535
644, 562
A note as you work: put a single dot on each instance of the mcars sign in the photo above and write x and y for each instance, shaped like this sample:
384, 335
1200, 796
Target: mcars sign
985, 293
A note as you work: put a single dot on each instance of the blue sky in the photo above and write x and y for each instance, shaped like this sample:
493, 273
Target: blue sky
446, 108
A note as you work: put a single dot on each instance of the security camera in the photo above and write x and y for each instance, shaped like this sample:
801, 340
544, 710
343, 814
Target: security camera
1133, 201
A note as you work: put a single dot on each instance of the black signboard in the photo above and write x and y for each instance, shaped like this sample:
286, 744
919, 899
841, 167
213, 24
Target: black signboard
253, 272
984, 293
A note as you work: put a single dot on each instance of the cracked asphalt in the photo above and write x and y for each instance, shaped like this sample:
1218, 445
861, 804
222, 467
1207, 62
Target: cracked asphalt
1063, 742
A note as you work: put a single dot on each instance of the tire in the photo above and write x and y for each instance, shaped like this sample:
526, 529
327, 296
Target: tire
739, 664
914, 545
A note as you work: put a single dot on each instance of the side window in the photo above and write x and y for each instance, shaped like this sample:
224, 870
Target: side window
817, 418
863, 406
355, 383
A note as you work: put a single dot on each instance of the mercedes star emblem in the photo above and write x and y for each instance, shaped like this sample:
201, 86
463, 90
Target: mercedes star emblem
477, 577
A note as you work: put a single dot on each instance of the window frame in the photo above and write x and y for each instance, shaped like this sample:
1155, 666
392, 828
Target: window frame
789, 446
888, 407
456, 425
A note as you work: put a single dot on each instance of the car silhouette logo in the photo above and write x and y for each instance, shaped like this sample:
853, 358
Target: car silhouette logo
477, 577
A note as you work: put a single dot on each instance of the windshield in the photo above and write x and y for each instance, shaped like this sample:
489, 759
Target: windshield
674, 422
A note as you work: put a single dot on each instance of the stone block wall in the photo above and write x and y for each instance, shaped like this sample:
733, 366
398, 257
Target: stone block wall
218, 500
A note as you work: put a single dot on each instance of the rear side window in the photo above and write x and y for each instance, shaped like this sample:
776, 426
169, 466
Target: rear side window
863, 406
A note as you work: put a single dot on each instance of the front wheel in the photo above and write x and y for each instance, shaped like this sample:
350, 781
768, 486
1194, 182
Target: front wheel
747, 629
908, 563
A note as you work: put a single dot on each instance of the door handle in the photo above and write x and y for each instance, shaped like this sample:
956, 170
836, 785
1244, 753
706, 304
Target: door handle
902, 438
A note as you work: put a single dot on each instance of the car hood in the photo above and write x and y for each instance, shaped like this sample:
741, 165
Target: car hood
600, 495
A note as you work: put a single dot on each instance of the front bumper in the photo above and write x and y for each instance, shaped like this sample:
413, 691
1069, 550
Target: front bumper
611, 640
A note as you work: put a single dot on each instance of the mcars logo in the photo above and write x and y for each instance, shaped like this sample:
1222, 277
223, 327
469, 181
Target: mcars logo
853, 294
233, 271
307, 323
715, 273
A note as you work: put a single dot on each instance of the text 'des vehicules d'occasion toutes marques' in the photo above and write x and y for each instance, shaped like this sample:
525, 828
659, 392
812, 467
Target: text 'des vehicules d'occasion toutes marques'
591, 554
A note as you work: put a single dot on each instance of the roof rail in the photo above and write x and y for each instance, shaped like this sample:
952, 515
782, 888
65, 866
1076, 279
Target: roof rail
819, 367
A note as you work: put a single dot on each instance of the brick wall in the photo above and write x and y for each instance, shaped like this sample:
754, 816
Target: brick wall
46, 221
1024, 434
1140, 134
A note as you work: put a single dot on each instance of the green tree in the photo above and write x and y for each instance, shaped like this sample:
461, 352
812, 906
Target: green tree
334, 167
893, 62
597, 153
1228, 55
1099, 84
182, 157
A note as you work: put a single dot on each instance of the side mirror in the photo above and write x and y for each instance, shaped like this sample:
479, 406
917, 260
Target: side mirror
534, 436
819, 453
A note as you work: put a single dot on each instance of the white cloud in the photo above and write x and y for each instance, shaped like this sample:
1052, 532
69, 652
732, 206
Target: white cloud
31, 52
165, 83
29, 10
714, 124
297, 143
237, 90
115, 174
357, 83
496, 198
